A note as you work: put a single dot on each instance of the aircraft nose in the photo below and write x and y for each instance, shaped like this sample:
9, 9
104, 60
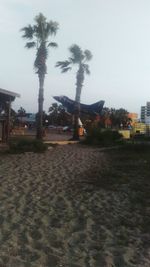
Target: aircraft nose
56, 98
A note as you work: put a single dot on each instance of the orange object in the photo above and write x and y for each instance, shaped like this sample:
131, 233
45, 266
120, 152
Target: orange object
81, 131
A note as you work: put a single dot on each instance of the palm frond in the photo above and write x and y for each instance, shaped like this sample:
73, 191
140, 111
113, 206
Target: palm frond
40, 26
76, 54
30, 44
71, 59
40, 18
53, 44
40, 31
51, 28
65, 69
28, 32
63, 64
88, 55
86, 68
44, 29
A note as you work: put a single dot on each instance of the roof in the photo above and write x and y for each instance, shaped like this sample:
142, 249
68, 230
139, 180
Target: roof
9, 93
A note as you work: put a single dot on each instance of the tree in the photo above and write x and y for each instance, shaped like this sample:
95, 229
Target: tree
53, 111
105, 121
79, 58
38, 36
21, 113
55, 108
119, 117
114, 118
58, 115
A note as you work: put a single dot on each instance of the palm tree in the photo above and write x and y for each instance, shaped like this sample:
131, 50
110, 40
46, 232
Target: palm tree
79, 58
38, 36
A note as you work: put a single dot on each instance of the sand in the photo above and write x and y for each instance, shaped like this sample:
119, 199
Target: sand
50, 216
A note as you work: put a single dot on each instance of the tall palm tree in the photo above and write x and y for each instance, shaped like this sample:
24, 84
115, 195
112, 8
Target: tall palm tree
38, 36
79, 58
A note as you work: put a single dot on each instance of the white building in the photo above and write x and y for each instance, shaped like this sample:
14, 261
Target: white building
145, 113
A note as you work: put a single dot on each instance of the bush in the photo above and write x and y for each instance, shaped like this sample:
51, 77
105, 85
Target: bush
136, 147
141, 137
26, 145
96, 136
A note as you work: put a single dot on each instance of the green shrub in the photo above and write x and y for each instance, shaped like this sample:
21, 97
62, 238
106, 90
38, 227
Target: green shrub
141, 137
26, 145
136, 147
96, 136
93, 136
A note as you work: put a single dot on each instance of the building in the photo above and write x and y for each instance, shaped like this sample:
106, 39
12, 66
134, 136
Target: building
139, 128
145, 113
148, 109
27, 118
6, 98
133, 117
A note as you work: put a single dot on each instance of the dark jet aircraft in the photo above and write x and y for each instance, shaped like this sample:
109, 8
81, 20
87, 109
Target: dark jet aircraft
95, 108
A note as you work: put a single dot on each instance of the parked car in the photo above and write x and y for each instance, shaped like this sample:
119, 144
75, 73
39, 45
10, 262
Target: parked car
67, 129
51, 127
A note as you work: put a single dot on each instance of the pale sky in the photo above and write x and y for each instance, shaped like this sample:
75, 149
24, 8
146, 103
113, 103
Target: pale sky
116, 31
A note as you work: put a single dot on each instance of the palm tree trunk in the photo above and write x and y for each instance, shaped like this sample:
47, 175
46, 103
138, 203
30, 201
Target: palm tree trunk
39, 133
79, 84
76, 119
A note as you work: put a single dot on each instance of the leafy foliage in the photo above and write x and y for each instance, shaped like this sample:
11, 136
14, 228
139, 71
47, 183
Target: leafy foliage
26, 145
21, 112
119, 116
96, 136
78, 57
39, 34
55, 108
116, 117
58, 115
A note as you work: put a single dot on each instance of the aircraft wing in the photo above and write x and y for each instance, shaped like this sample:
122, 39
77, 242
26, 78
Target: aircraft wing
95, 108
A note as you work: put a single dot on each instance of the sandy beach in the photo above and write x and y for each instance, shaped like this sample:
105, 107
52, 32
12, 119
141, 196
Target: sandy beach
51, 216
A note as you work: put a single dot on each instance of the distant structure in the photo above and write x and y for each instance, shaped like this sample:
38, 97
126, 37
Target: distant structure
133, 117
28, 118
145, 113
6, 98
94, 109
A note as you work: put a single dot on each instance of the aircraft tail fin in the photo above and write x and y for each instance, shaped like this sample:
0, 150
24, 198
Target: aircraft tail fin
98, 104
